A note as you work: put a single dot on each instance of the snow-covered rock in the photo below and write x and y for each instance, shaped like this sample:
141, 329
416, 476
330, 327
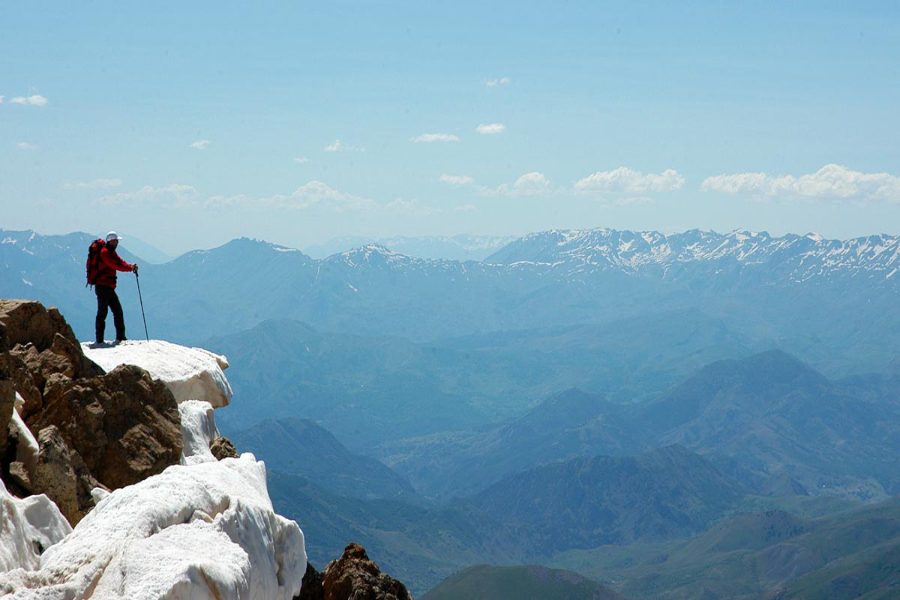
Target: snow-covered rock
190, 373
27, 527
205, 530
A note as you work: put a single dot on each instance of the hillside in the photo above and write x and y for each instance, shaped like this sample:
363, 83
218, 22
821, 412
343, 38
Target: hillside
484, 582
301, 447
587, 502
750, 556
287, 368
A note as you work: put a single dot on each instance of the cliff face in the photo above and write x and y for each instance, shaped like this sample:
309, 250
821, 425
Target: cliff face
92, 429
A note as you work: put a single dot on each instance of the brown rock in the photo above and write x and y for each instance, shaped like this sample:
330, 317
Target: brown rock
23, 382
53, 475
221, 447
7, 397
124, 425
311, 588
28, 322
355, 577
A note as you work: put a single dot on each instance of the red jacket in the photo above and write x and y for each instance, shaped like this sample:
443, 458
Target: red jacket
109, 264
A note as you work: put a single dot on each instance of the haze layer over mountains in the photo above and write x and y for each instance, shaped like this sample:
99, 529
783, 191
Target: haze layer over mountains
578, 399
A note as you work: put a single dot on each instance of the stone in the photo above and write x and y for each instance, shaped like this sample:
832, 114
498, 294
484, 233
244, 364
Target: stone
124, 425
311, 587
221, 447
355, 577
54, 476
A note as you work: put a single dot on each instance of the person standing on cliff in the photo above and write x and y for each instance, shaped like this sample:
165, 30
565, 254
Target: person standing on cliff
105, 287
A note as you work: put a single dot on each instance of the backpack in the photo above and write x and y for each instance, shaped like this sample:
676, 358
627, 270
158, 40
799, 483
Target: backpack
93, 261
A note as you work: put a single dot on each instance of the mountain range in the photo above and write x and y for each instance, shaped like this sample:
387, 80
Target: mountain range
794, 291
458, 247
768, 420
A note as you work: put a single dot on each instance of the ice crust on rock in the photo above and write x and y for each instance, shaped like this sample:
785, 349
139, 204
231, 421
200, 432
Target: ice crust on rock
27, 527
204, 530
189, 373
198, 428
28, 447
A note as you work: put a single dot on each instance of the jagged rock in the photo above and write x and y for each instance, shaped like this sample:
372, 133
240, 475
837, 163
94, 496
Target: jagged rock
124, 425
354, 577
221, 447
312, 585
28, 323
7, 398
24, 383
54, 476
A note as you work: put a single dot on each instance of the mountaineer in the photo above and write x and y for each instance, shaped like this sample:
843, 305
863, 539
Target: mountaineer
103, 262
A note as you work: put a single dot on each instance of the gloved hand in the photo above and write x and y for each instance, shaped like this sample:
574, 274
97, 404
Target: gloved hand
134, 268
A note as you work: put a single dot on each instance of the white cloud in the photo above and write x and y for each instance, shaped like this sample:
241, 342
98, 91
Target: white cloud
170, 195
201, 144
339, 146
831, 182
466, 208
456, 179
435, 137
629, 181
496, 82
96, 184
35, 100
529, 184
492, 129
26, 146
301, 160
1, 99
409, 207
313, 194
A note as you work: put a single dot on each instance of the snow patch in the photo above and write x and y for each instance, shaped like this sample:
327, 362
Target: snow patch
205, 530
190, 373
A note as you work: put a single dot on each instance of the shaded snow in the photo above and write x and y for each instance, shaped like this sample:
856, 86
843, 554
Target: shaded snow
198, 429
190, 373
27, 527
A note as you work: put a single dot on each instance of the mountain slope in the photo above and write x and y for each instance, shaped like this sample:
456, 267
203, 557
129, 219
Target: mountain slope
370, 390
760, 555
484, 582
586, 502
301, 447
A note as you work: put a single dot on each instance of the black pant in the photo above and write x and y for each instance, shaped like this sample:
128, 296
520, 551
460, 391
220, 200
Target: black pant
106, 299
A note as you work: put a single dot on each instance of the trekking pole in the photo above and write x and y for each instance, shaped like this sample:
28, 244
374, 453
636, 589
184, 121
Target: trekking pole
138, 279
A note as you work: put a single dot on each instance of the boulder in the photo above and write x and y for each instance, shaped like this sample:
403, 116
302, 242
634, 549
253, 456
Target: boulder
312, 585
222, 448
354, 577
28, 322
54, 475
124, 425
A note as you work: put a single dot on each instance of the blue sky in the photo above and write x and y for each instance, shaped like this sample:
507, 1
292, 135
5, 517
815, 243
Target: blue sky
188, 124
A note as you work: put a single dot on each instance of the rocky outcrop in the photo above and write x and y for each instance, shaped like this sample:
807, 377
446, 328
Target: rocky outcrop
94, 429
354, 577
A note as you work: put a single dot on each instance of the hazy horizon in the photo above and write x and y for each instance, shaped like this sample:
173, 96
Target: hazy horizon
193, 126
